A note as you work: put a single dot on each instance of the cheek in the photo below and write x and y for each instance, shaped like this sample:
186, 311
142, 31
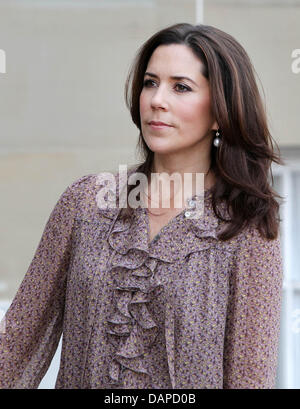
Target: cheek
197, 110
143, 103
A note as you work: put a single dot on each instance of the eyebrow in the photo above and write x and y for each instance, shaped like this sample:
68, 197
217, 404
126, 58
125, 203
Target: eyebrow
174, 77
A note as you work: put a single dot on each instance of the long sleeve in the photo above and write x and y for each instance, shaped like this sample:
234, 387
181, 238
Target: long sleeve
253, 314
33, 323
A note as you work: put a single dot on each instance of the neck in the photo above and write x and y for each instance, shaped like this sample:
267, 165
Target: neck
175, 193
169, 165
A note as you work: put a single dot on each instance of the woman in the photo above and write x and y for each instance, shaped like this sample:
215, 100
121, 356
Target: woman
149, 297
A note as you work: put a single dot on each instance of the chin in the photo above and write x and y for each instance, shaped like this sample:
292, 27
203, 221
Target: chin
160, 145
163, 150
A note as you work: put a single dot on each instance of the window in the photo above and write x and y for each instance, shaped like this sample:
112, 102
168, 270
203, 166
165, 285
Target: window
287, 184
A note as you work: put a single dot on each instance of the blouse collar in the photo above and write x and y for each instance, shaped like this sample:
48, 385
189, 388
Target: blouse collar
177, 239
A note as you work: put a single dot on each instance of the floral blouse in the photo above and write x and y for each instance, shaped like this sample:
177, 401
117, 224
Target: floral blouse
185, 310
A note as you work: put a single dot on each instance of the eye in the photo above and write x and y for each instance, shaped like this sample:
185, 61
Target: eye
182, 88
147, 83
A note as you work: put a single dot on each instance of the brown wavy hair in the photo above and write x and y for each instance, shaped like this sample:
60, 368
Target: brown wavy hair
242, 162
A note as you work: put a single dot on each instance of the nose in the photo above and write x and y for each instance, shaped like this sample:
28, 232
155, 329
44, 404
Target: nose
159, 98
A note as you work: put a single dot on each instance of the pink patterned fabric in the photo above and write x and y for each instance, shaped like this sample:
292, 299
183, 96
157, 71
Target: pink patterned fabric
184, 311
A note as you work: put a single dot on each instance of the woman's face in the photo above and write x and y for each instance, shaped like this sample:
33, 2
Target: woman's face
182, 103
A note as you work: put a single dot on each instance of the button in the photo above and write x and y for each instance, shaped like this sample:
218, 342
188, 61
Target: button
191, 203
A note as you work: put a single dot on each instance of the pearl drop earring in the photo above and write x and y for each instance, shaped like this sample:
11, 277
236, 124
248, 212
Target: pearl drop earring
217, 139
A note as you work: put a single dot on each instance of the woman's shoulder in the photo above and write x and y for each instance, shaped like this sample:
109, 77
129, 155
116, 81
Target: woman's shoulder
83, 184
94, 181
251, 240
95, 194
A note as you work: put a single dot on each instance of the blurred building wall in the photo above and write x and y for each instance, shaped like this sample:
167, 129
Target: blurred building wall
269, 30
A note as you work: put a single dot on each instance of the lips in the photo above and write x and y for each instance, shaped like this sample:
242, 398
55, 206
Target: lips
158, 123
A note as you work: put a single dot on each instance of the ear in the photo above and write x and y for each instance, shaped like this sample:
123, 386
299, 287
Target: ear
215, 126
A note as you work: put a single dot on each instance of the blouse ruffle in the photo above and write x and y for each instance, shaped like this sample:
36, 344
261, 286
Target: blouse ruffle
130, 327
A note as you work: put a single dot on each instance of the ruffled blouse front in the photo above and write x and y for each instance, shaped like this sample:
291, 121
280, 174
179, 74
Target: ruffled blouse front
132, 328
